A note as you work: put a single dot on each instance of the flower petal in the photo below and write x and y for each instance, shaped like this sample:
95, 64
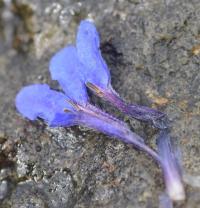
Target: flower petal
88, 43
39, 100
171, 166
66, 69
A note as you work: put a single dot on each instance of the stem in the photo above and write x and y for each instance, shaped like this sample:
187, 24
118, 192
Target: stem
142, 113
94, 118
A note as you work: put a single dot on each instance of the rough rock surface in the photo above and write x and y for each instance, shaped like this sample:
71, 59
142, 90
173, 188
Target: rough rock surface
152, 48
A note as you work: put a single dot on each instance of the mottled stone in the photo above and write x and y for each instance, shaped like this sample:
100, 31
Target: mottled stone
3, 189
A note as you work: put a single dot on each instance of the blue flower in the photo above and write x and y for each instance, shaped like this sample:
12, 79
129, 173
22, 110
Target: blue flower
72, 107
77, 67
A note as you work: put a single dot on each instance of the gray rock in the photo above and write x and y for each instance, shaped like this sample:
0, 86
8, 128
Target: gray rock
152, 49
3, 189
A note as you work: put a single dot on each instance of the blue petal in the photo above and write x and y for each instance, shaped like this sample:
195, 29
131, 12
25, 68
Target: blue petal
39, 100
88, 43
65, 68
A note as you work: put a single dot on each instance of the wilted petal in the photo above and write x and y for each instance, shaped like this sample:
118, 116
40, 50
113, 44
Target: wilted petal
171, 167
40, 101
66, 69
88, 43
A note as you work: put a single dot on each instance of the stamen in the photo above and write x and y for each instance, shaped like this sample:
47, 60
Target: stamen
66, 110
75, 105
94, 88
